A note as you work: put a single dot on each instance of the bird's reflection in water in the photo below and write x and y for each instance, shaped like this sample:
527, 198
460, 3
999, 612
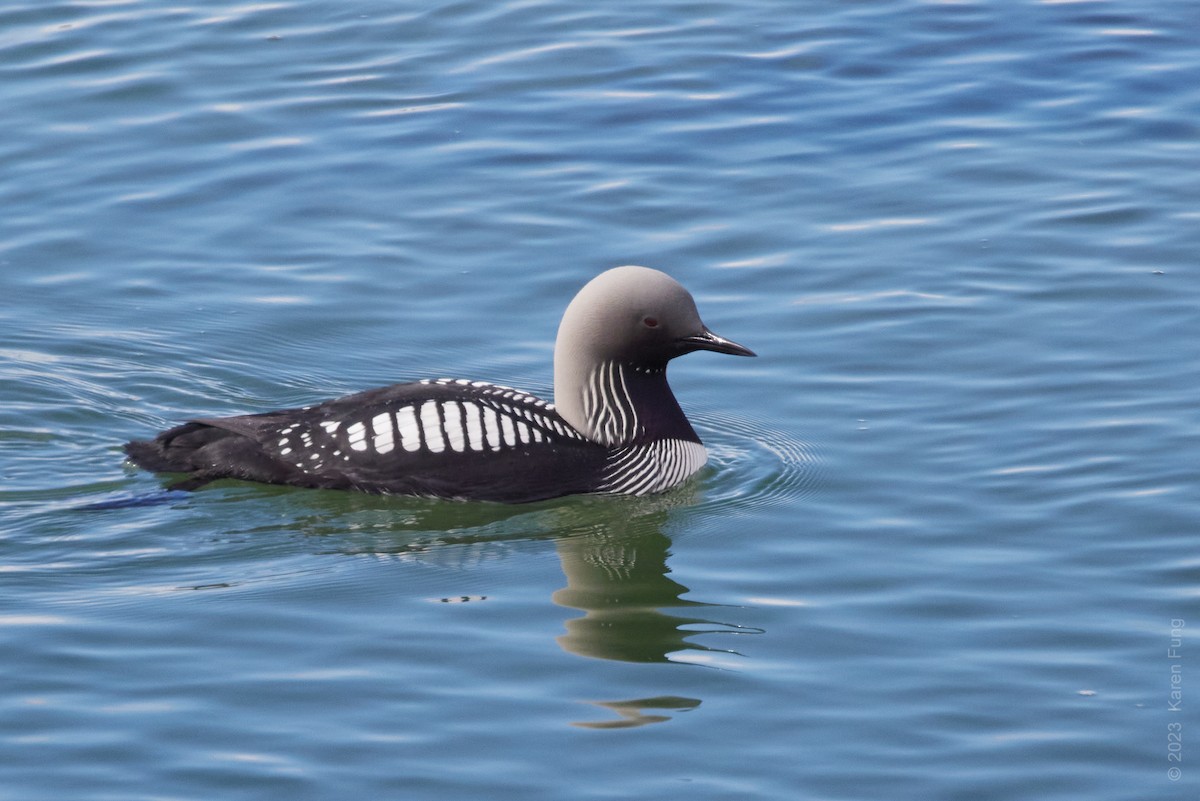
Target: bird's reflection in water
634, 713
617, 575
621, 584
613, 553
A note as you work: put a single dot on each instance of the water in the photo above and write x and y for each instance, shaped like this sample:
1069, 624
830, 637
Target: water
945, 547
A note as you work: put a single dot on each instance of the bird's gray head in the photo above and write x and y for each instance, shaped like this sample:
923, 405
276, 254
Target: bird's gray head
633, 317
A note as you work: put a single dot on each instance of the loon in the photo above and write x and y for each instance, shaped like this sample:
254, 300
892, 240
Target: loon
614, 427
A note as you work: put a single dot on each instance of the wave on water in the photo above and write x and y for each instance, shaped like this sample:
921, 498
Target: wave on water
753, 465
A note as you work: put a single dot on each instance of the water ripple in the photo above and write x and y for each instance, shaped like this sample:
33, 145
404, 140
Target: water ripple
753, 465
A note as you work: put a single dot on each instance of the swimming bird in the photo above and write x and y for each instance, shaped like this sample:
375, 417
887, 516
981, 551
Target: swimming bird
614, 427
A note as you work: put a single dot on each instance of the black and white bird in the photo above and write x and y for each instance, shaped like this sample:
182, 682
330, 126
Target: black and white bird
615, 427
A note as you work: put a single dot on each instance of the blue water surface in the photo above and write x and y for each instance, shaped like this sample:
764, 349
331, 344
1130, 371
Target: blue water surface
945, 547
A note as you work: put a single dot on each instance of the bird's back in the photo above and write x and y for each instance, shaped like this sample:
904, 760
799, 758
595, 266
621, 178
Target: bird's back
444, 438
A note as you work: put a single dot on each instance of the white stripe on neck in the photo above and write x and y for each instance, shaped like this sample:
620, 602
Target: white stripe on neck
608, 406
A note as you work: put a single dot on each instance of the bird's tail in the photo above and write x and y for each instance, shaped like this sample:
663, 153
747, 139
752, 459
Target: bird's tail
172, 451
205, 451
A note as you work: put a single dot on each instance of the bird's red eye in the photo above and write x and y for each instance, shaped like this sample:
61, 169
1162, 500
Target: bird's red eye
650, 322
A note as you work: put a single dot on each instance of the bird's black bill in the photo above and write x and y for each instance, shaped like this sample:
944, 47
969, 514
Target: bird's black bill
718, 344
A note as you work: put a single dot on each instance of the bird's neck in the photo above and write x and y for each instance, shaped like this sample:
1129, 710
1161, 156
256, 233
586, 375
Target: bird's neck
615, 403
